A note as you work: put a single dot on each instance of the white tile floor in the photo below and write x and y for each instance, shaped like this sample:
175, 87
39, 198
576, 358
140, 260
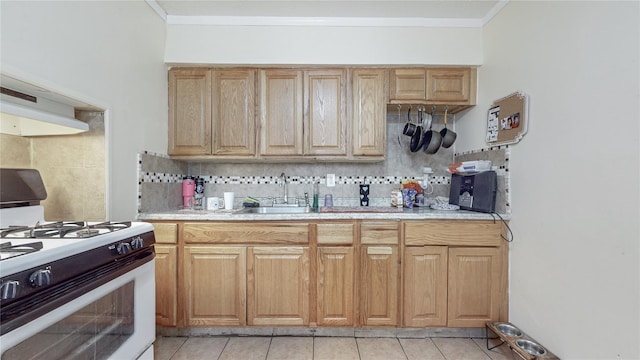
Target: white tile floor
321, 348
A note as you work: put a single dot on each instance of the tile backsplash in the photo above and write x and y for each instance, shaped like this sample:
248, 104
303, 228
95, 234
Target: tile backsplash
160, 178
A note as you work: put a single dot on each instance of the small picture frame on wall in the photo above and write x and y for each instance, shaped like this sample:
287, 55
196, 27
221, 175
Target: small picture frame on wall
508, 119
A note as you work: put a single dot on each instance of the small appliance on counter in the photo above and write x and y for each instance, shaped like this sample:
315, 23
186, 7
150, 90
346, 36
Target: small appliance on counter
475, 192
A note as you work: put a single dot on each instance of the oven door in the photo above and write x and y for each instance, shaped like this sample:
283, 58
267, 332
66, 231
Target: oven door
115, 320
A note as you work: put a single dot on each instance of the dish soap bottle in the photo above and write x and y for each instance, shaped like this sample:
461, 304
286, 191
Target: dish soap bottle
316, 195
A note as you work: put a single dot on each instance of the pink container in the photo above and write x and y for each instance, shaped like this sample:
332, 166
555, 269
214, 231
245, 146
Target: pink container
188, 190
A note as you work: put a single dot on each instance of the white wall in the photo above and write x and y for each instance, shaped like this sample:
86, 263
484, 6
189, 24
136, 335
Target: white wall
575, 181
109, 53
209, 44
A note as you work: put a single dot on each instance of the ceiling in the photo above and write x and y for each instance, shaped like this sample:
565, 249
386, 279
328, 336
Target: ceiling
343, 13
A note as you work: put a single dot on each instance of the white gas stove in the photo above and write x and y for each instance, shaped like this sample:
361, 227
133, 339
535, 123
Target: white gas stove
58, 279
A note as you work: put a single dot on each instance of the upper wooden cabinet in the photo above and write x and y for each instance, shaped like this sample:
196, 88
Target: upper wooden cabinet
452, 87
325, 112
281, 111
369, 112
212, 112
233, 107
189, 112
303, 113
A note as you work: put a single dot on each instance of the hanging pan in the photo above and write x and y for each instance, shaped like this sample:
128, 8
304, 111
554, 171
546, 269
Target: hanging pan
417, 137
432, 139
448, 136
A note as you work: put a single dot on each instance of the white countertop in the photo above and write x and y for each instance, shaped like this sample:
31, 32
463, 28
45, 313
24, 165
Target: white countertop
238, 215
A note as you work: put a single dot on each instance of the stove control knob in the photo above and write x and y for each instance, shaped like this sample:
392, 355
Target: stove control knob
137, 243
9, 290
123, 248
40, 278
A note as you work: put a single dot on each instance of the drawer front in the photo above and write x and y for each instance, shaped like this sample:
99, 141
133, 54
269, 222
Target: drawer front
452, 232
246, 233
379, 232
335, 234
166, 233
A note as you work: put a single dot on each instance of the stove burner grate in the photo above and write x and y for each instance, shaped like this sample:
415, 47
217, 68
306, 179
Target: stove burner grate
7, 249
61, 229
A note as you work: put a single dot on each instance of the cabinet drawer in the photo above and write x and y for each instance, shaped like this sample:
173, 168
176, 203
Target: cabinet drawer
166, 233
334, 234
379, 232
246, 233
452, 232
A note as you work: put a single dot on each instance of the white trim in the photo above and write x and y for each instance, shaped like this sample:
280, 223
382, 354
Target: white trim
326, 21
158, 9
321, 21
494, 11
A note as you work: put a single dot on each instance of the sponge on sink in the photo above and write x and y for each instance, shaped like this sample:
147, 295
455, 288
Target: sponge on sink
250, 202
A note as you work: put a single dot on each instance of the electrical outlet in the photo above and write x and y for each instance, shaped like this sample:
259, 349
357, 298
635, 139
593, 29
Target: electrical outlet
331, 179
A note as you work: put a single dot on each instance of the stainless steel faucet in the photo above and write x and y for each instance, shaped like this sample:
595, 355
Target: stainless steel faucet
283, 183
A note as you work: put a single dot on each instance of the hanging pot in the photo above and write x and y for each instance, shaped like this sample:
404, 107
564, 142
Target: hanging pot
432, 139
417, 137
409, 127
448, 136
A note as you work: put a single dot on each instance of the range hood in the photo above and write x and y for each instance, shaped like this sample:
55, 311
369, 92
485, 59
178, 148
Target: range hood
21, 120
23, 114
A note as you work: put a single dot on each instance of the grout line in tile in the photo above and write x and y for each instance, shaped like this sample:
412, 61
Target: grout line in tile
224, 347
266, 356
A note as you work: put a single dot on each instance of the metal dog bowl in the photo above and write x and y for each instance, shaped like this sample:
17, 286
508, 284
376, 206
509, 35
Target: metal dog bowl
531, 347
509, 330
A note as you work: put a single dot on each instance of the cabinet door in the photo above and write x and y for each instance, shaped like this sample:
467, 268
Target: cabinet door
234, 112
281, 111
189, 112
369, 131
166, 285
425, 286
325, 112
455, 86
335, 286
379, 285
474, 286
215, 285
278, 286
408, 84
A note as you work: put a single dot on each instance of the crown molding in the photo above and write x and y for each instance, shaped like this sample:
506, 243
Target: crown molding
401, 22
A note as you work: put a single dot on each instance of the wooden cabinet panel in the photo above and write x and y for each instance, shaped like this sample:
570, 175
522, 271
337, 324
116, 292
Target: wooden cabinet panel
452, 232
215, 285
335, 233
165, 233
408, 84
325, 112
425, 286
234, 131
451, 85
189, 112
335, 286
246, 233
166, 284
379, 232
278, 286
369, 112
474, 286
281, 112
379, 285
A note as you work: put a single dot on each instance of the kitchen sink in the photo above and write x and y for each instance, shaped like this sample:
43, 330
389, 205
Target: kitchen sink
277, 210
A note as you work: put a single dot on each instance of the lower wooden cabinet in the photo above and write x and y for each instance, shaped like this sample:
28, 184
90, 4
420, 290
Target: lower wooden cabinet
215, 285
278, 285
335, 281
425, 286
166, 285
474, 286
444, 273
379, 285
166, 261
